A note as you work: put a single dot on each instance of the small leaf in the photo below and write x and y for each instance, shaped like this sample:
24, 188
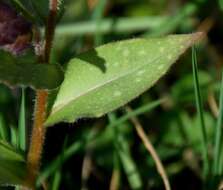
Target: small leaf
12, 173
105, 78
12, 166
15, 72
7, 152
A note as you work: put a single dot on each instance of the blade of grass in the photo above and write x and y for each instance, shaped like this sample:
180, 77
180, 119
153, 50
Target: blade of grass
173, 22
57, 176
218, 134
97, 17
86, 169
23, 10
116, 174
79, 145
115, 179
129, 166
14, 136
110, 25
3, 128
148, 145
200, 113
56, 180
122, 148
137, 112
22, 122
56, 163
67, 153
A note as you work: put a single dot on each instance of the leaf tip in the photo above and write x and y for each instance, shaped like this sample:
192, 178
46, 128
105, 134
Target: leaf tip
197, 36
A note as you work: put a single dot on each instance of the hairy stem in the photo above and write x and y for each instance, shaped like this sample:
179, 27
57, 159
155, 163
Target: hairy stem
50, 29
38, 135
38, 132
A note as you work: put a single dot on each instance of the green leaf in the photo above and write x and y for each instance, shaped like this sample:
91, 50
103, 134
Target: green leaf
105, 78
7, 152
37, 76
12, 166
12, 172
23, 9
22, 131
40, 9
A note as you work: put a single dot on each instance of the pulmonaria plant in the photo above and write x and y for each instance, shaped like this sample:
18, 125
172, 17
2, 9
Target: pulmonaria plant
15, 30
92, 84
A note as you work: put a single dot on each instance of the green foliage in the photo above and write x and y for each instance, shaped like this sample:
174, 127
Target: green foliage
200, 109
183, 89
9, 153
104, 79
21, 72
12, 172
12, 167
22, 132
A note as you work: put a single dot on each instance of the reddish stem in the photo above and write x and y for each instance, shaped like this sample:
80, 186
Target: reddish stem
38, 132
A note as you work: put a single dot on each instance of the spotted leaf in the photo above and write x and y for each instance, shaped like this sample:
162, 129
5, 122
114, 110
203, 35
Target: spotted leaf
103, 79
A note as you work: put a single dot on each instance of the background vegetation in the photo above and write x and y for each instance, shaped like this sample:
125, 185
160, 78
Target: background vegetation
86, 154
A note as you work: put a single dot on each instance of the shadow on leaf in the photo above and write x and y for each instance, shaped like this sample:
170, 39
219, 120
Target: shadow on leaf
93, 58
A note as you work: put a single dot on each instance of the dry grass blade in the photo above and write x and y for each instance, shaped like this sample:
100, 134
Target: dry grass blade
213, 105
114, 180
151, 149
86, 170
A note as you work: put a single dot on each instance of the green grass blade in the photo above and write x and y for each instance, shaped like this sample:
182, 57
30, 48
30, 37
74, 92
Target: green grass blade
23, 10
139, 111
122, 25
14, 136
122, 149
97, 16
174, 21
55, 164
129, 166
22, 122
218, 134
56, 180
67, 153
3, 128
76, 146
200, 113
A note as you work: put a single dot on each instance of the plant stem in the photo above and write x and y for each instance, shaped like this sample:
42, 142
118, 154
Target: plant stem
50, 29
39, 131
38, 135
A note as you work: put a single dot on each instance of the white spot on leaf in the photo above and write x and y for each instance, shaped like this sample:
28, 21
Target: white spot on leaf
142, 52
126, 53
117, 93
181, 47
160, 67
116, 64
161, 49
169, 57
158, 42
138, 79
141, 72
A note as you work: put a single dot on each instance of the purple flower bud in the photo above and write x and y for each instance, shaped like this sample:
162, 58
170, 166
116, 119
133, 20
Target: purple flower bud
15, 31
